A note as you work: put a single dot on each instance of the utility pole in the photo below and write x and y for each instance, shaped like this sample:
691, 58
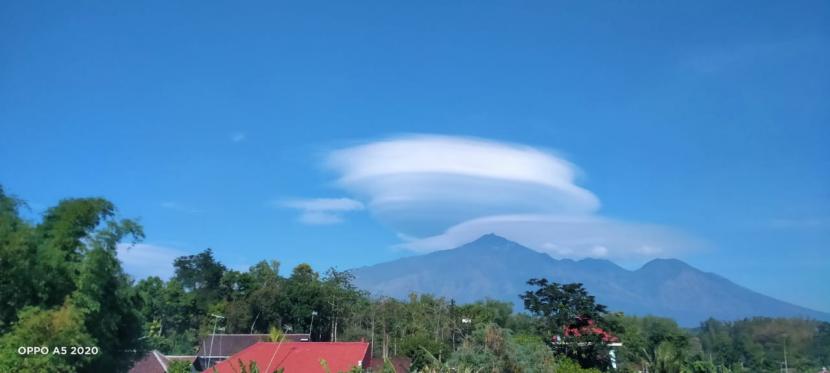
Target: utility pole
311, 326
333, 322
210, 350
372, 348
254, 323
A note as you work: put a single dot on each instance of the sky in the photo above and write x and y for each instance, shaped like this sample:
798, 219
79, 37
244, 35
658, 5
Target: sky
345, 134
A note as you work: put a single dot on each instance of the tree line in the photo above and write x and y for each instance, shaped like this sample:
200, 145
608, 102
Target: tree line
62, 285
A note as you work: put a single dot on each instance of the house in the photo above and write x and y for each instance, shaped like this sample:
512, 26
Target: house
214, 348
152, 362
299, 357
400, 363
156, 362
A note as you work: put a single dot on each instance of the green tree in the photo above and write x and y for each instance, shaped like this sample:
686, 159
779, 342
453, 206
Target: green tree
179, 367
303, 295
559, 306
18, 262
57, 328
201, 274
78, 283
111, 309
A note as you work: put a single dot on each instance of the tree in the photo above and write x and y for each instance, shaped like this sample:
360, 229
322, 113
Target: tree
111, 309
18, 261
76, 286
487, 311
303, 295
265, 300
559, 306
179, 367
649, 339
59, 328
201, 274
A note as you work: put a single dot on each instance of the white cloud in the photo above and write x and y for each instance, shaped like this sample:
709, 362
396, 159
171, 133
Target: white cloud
421, 185
567, 236
238, 137
144, 260
439, 192
318, 211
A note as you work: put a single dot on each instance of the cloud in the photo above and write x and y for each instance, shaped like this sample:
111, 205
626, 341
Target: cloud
799, 223
708, 60
238, 137
567, 236
318, 211
438, 192
422, 185
145, 260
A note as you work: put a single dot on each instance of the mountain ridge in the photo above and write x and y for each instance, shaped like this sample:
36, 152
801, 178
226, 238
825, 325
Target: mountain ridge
497, 268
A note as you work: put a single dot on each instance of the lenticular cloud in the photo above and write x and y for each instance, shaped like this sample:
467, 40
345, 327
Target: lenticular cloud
439, 192
422, 185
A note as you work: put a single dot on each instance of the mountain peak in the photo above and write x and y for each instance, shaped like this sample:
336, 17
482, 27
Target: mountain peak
491, 238
492, 241
665, 264
666, 268
495, 243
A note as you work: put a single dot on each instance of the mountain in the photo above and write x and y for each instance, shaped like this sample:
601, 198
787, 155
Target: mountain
497, 268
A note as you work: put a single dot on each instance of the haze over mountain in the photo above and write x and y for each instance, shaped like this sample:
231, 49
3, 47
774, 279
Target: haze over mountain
497, 268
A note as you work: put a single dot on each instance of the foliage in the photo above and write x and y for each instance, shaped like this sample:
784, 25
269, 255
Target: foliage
560, 306
649, 342
179, 367
275, 334
55, 328
62, 285
62, 282
759, 344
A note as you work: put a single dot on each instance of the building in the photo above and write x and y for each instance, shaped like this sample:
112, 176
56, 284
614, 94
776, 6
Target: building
156, 362
400, 363
214, 348
302, 357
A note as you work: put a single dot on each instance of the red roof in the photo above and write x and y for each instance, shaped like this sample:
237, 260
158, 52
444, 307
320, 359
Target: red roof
299, 357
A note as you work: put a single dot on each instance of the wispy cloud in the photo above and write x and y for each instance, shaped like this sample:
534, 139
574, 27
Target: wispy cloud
238, 137
145, 260
799, 223
319, 211
438, 192
567, 236
726, 58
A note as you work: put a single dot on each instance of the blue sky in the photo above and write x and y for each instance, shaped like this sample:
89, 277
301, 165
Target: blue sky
696, 130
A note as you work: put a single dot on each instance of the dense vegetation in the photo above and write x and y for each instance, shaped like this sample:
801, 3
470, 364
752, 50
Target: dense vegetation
62, 285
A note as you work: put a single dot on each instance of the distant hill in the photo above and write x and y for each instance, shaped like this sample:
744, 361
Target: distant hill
497, 268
